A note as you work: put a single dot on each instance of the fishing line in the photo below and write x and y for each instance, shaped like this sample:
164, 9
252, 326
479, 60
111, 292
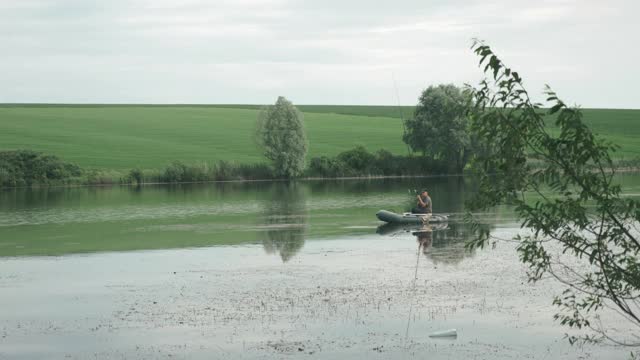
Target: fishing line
404, 129
413, 290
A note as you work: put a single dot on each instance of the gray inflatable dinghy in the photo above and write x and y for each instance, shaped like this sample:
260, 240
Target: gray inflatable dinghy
409, 218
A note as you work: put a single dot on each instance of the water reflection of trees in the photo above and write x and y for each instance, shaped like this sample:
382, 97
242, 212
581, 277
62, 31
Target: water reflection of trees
285, 220
447, 193
440, 242
50, 197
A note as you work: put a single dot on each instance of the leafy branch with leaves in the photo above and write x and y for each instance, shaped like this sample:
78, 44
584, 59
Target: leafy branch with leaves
580, 229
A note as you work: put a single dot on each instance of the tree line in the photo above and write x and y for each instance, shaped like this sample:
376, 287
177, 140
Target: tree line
439, 132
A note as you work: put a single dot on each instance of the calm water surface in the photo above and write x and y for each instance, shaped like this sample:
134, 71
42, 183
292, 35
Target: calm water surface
281, 216
266, 270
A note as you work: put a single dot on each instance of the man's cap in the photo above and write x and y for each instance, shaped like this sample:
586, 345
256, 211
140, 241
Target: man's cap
423, 190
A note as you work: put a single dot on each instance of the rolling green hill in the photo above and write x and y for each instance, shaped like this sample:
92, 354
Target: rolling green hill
151, 136
120, 137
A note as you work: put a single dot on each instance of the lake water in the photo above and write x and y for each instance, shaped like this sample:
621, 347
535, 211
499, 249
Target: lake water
267, 270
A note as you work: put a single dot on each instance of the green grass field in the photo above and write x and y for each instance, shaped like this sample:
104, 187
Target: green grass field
151, 136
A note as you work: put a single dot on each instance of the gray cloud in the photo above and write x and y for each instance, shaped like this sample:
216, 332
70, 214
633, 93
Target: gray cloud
323, 52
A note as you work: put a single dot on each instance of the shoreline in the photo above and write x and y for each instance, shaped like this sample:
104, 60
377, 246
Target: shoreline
623, 170
373, 177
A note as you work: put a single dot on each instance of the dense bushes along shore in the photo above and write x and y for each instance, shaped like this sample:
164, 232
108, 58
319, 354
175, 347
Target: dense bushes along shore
26, 168
22, 168
29, 168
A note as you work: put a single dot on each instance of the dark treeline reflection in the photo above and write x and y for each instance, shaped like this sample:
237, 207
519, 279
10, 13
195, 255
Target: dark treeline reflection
448, 193
24, 198
285, 220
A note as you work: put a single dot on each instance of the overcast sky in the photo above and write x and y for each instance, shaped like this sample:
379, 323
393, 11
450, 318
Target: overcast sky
313, 52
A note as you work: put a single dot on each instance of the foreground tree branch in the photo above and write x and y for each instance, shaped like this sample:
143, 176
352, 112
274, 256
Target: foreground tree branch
559, 177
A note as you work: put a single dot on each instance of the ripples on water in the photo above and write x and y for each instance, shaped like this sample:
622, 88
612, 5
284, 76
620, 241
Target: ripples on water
125, 212
120, 213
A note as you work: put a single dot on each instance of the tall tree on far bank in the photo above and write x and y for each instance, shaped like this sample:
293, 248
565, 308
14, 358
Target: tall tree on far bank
439, 127
280, 133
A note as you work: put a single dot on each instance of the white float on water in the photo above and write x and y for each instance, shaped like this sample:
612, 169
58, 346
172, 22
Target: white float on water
444, 333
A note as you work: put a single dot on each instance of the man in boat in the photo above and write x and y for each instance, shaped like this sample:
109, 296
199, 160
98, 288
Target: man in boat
424, 204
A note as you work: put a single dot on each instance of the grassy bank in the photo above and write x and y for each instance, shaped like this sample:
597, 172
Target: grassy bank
151, 136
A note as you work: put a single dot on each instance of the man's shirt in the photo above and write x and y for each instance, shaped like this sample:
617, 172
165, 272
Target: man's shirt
427, 203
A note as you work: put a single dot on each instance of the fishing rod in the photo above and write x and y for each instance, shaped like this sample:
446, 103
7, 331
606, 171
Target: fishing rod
404, 129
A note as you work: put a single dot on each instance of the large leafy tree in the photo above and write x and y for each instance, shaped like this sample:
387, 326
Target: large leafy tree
440, 125
576, 225
280, 133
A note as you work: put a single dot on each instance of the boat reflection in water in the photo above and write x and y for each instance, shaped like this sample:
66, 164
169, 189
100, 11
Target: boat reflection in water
440, 242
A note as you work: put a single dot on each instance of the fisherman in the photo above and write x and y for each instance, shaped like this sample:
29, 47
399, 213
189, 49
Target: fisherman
424, 203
